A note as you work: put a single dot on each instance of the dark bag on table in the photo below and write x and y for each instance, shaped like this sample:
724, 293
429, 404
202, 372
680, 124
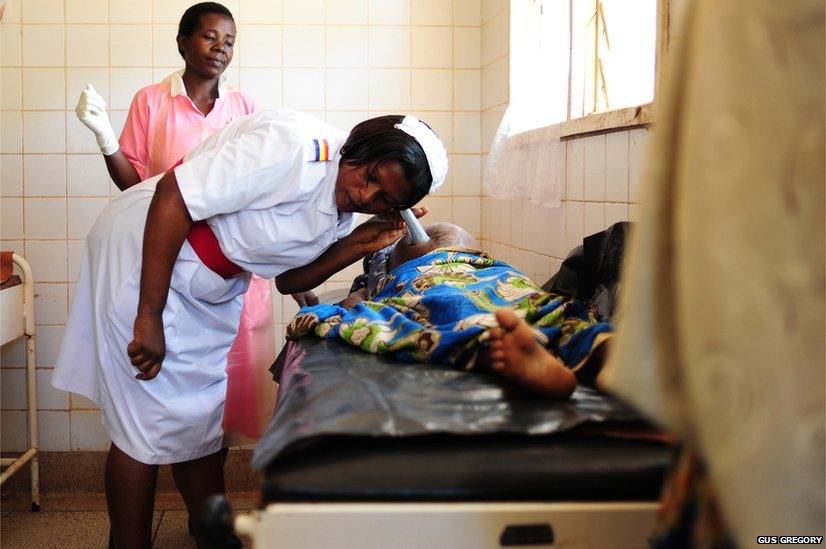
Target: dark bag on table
591, 271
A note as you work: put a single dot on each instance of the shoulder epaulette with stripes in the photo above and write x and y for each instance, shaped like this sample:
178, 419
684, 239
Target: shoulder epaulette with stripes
320, 150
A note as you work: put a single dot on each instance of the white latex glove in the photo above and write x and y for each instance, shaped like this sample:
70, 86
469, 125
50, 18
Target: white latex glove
91, 110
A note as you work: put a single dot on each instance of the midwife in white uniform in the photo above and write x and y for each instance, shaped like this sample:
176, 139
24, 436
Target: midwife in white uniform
151, 323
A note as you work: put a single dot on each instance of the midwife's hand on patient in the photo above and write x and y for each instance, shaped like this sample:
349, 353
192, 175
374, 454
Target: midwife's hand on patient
354, 299
91, 110
380, 231
148, 348
305, 298
418, 211
375, 234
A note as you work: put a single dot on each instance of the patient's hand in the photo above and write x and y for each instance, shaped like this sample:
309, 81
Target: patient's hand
354, 299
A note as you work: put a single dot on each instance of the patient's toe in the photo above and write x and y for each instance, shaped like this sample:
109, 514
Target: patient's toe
519, 337
507, 319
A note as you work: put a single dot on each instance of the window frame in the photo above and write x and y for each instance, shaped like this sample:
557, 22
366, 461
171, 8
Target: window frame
628, 117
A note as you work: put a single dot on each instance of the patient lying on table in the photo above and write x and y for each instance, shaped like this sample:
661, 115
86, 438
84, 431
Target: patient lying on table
445, 301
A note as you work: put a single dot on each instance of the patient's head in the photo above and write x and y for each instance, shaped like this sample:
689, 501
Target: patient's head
441, 235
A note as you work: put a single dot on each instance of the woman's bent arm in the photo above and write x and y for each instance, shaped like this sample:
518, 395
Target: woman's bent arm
167, 224
122, 172
368, 237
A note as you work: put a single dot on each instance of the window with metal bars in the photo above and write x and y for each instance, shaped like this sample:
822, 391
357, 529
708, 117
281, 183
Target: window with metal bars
573, 58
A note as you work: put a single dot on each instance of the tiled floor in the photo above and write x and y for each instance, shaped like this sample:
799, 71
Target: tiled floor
80, 521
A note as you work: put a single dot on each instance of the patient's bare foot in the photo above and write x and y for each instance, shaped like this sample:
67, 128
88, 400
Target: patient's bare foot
515, 354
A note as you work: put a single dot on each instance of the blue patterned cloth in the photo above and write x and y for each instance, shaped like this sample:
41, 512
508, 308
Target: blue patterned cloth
438, 308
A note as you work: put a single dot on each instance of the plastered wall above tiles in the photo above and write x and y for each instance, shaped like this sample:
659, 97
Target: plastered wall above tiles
341, 60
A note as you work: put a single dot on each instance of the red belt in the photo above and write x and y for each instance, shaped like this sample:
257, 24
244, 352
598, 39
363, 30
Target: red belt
206, 247
203, 241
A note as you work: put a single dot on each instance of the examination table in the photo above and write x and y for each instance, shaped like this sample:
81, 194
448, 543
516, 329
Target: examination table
362, 452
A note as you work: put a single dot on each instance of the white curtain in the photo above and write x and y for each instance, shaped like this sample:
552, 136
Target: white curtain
531, 164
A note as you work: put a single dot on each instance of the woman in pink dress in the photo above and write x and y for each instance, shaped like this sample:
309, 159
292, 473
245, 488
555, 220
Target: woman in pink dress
166, 121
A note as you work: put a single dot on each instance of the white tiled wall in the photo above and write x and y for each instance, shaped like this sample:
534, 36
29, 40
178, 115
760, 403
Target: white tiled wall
343, 60
601, 182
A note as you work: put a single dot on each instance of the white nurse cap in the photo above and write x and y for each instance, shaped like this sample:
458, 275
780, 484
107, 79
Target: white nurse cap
433, 148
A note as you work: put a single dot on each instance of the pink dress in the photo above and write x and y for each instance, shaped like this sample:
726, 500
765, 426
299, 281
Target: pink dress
162, 126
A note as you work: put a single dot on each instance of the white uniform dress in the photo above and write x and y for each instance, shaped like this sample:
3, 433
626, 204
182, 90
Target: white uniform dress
271, 206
